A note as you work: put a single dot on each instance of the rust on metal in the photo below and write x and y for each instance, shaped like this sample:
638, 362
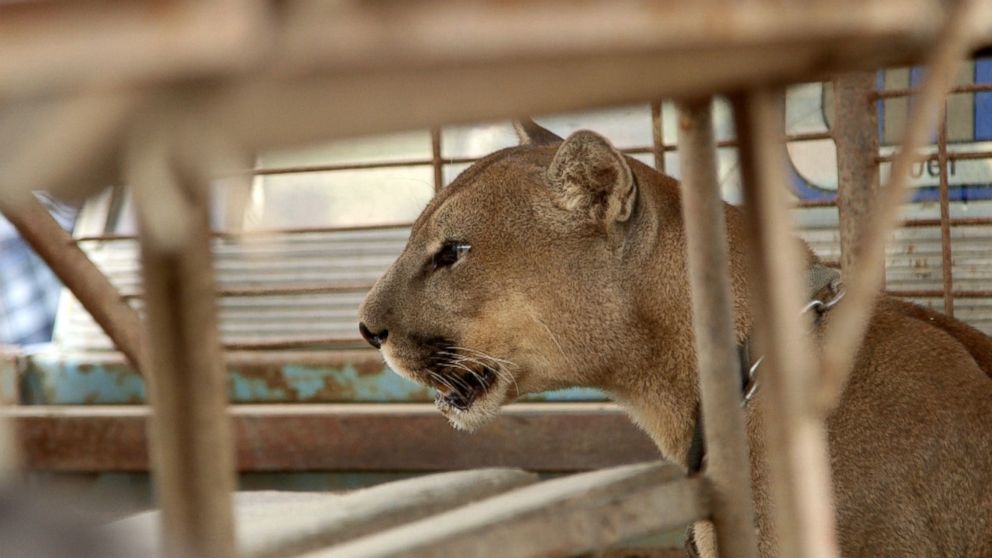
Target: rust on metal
945, 215
954, 222
908, 91
240, 234
292, 342
951, 156
657, 136
266, 171
933, 293
855, 133
559, 437
253, 291
437, 164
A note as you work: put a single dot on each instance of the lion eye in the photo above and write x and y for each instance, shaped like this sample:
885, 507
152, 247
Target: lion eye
450, 253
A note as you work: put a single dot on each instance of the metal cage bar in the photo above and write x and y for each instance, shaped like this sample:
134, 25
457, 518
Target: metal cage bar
727, 465
192, 444
798, 472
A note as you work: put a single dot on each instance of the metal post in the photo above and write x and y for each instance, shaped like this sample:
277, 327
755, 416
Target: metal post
10, 452
945, 215
713, 323
795, 436
436, 161
657, 136
855, 133
191, 443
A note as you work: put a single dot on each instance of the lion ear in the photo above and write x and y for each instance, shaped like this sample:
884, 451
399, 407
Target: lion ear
532, 133
590, 176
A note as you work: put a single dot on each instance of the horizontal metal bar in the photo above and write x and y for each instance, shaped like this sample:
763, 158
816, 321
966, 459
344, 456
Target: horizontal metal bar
810, 204
955, 222
951, 155
293, 342
345, 437
938, 293
907, 91
253, 291
639, 150
236, 235
267, 171
244, 291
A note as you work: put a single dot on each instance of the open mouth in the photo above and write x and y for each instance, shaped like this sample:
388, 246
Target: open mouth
460, 391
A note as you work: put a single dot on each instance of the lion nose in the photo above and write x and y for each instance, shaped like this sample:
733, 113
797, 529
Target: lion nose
374, 339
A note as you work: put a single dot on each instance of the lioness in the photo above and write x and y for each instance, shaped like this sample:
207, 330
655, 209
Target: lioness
562, 263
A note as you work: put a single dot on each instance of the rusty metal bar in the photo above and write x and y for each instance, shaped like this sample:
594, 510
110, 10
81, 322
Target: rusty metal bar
727, 465
237, 235
268, 171
850, 319
945, 215
855, 133
658, 148
10, 452
192, 446
810, 204
89, 285
933, 293
805, 136
253, 291
436, 162
795, 436
955, 222
908, 91
657, 136
344, 437
279, 343
951, 156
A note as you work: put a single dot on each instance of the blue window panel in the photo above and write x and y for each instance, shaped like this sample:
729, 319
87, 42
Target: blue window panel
983, 101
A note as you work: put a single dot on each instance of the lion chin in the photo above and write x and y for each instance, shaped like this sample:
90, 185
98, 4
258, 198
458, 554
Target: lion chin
481, 412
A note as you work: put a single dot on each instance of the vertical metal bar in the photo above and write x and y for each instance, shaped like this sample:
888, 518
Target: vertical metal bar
657, 136
10, 457
190, 433
945, 215
68, 262
727, 464
855, 133
796, 441
436, 162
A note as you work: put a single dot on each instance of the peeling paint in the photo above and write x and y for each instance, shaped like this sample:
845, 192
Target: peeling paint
55, 378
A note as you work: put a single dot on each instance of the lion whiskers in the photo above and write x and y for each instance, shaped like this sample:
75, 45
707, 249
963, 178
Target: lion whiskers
498, 365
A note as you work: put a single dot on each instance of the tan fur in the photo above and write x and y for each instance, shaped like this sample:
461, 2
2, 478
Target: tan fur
577, 277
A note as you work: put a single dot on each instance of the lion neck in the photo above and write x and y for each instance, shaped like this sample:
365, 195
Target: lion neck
658, 384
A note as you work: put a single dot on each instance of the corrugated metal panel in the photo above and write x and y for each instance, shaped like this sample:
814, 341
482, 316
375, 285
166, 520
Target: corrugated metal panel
281, 261
913, 263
